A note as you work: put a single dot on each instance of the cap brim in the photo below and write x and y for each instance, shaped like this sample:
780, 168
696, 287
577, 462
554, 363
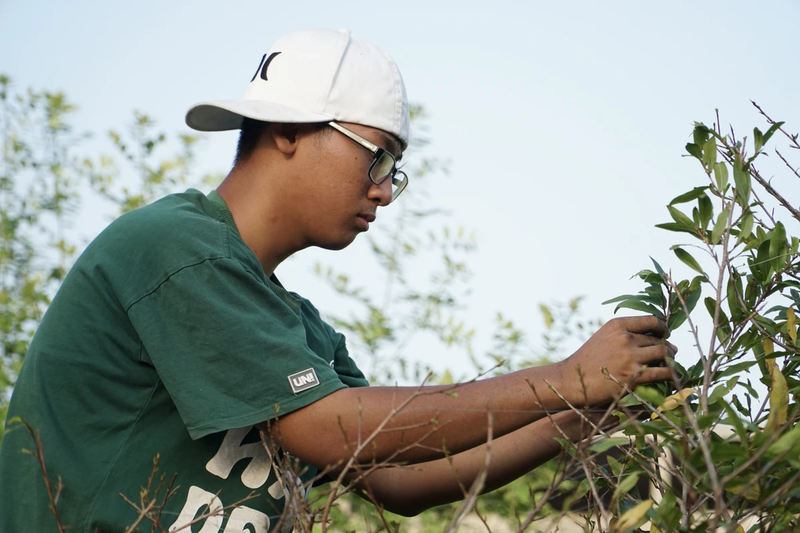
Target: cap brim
227, 114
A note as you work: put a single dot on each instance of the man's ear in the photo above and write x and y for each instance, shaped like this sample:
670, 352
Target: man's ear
285, 137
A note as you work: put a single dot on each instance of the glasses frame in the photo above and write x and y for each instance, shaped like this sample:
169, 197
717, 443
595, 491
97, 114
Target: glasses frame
400, 182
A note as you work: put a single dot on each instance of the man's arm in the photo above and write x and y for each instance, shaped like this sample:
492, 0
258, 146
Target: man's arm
410, 490
413, 425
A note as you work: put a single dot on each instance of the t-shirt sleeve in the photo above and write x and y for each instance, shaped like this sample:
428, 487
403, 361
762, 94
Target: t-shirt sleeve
344, 366
230, 350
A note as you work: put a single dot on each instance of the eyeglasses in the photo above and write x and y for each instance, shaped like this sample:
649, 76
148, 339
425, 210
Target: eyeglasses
383, 164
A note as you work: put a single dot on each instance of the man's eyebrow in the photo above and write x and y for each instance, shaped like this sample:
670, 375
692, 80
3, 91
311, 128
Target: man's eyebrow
392, 145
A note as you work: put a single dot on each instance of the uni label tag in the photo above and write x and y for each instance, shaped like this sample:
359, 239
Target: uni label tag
304, 380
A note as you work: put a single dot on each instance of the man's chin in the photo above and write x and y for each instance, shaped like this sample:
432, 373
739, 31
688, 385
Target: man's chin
335, 245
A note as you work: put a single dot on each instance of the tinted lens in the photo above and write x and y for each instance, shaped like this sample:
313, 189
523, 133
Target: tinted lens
382, 168
399, 183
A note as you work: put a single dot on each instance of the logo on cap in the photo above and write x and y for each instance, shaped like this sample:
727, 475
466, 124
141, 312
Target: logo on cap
304, 380
263, 65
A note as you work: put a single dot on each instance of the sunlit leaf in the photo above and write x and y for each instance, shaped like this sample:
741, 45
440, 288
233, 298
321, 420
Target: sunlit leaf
673, 401
633, 517
778, 395
752, 493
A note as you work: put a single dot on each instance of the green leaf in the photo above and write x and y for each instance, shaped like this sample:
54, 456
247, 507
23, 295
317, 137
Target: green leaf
710, 152
758, 139
650, 298
734, 287
650, 394
721, 176
778, 247
700, 133
697, 192
736, 369
616, 466
622, 298
724, 329
603, 445
717, 394
745, 227
680, 217
687, 258
706, 209
719, 227
626, 484
676, 320
547, 315
659, 270
567, 445
786, 442
580, 491
778, 395
742, 179
668, 513
633, 517
637, 305
771, 131
734, 420
695, 151
674, 226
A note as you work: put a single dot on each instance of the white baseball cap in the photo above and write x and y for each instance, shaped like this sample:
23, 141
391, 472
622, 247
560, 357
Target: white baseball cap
316, 76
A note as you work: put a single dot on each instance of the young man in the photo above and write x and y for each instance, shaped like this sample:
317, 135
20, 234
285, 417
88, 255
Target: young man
171, 338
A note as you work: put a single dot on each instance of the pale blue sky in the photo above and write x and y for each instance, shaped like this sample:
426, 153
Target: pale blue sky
564, 121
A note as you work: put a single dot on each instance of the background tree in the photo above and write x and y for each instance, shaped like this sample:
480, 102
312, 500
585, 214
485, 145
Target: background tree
39, 193
43, 184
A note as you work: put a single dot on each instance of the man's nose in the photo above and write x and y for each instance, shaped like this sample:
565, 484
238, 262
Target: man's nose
382, 193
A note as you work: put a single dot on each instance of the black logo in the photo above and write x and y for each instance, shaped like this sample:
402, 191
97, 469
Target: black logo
263, 65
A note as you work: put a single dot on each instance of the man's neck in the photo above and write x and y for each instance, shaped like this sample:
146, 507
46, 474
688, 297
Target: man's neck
259, 218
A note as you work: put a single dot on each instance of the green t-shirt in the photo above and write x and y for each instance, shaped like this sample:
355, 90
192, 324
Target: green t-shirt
166, 339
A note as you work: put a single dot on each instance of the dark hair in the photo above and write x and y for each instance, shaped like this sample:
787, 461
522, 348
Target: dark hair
248, 139
251, 132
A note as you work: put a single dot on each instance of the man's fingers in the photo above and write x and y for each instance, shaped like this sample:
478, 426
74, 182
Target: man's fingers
646, 325
655, 374
655, 354
643, 341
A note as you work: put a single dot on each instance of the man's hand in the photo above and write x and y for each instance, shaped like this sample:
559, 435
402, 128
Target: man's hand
632, 350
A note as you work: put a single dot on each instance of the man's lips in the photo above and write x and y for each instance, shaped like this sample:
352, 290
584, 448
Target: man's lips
365, 219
